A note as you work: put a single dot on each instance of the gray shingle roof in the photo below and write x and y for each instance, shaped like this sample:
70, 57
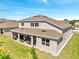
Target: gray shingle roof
39, 32
9, 24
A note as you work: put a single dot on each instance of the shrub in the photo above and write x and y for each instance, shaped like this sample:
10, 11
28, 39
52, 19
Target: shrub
33, 53
3, 54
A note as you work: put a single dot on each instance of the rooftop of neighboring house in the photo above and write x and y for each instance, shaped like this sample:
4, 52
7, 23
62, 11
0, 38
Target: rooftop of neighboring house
8, 24
2, 20
61, 24
39, 32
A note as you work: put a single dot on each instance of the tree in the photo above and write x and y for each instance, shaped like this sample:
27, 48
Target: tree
65, 20
72, 22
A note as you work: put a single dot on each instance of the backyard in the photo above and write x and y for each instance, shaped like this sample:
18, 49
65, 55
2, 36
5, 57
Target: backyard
19, 51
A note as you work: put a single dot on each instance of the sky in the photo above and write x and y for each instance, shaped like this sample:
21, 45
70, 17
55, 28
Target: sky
58, 9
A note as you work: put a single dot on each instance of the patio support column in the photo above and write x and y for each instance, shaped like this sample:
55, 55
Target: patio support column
31, 41
18, 37
11, 35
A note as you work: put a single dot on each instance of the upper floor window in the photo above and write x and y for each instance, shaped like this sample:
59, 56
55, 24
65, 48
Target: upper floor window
22, 24
32, 24
35, 24
45, 41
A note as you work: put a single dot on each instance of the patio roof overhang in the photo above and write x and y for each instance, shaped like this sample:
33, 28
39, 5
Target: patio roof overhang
52, 34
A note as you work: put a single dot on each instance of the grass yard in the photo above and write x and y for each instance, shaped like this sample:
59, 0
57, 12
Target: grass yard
19, 51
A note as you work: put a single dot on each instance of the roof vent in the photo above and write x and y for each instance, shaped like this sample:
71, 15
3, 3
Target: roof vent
43, 31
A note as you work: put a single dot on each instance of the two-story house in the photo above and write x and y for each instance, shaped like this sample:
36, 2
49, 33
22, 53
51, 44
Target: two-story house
43, 33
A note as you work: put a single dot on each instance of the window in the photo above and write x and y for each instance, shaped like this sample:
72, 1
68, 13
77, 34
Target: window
32, 24
22, 24
45, 42
36, 24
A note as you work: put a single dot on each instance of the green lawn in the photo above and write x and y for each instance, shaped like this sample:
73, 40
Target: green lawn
19, 51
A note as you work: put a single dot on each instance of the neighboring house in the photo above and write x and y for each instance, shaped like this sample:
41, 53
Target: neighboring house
7, 25
43, 33
77, 25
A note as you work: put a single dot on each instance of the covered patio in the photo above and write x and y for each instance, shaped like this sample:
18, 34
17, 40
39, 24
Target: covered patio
24, 38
